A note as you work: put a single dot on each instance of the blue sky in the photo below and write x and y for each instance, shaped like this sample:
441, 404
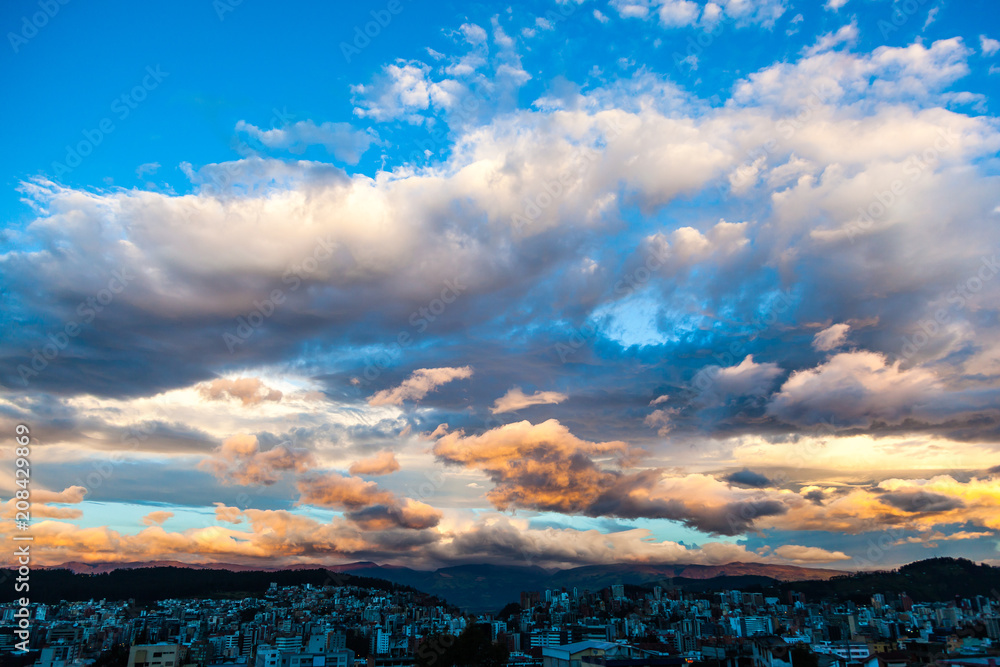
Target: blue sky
651, 281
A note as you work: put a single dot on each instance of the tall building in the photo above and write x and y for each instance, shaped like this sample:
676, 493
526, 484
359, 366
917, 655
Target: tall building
267, 657
380, 642
155, 655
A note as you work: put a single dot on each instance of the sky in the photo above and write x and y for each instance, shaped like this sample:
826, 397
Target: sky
558, 283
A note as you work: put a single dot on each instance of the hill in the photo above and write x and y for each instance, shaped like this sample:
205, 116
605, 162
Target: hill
475, 587
932, 580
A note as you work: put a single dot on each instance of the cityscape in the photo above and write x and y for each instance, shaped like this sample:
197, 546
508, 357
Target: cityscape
468, 333
343, 621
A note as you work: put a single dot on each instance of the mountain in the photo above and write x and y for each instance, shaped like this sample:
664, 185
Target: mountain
490, 587
485, 587
146, 583
931, 580
102, 568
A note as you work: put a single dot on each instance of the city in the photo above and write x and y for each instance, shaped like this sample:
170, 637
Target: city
341, 624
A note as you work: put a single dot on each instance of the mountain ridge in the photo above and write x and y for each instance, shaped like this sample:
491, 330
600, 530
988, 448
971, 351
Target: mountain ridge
483, 586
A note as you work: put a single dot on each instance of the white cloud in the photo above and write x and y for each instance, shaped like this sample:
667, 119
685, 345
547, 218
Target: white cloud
473, 33
801, 555
988, 46
754, 12
678, 13
401, 92
339, 139
147, 168
914, 73
831, 338
631, 8
834, 5
854, 388
847, 34
748, 378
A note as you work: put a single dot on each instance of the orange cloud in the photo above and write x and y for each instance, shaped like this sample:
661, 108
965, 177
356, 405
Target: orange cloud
156, 518
367, 505
41, 507
239, 460
382, 463
335, 490
251, 391
545, 467
420, 383
228, 514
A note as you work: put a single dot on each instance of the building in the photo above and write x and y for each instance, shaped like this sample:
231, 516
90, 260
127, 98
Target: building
380, 642
850, 651
59, 655
155, 655
267, 657
592, 654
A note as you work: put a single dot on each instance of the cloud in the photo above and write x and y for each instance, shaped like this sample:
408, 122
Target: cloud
501, 539
688, 246
661, 420
914, 72
366, 505
847, 34
834, 5
831, 338
383, 463
515, 399
748, 378
147, 168
678, 13
544, 467
411, 514
156, 518
921, 501
988, 46
402, 92
747, 477
239, 460
808, 555
228, 514
339, 139
251, 391
42, 501
837, 125
854, 388
267, 536
681, 13
333, 490
420, 383
899, 504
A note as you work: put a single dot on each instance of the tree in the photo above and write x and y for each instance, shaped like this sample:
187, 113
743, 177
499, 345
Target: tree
508, 611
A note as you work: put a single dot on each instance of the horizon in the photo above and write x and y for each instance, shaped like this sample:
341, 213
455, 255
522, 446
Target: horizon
568, 283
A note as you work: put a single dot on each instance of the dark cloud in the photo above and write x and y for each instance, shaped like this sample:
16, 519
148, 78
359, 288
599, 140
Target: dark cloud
747, 477
921, 501
815, 496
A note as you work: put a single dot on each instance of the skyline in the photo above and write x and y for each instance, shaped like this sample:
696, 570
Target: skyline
557, 284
